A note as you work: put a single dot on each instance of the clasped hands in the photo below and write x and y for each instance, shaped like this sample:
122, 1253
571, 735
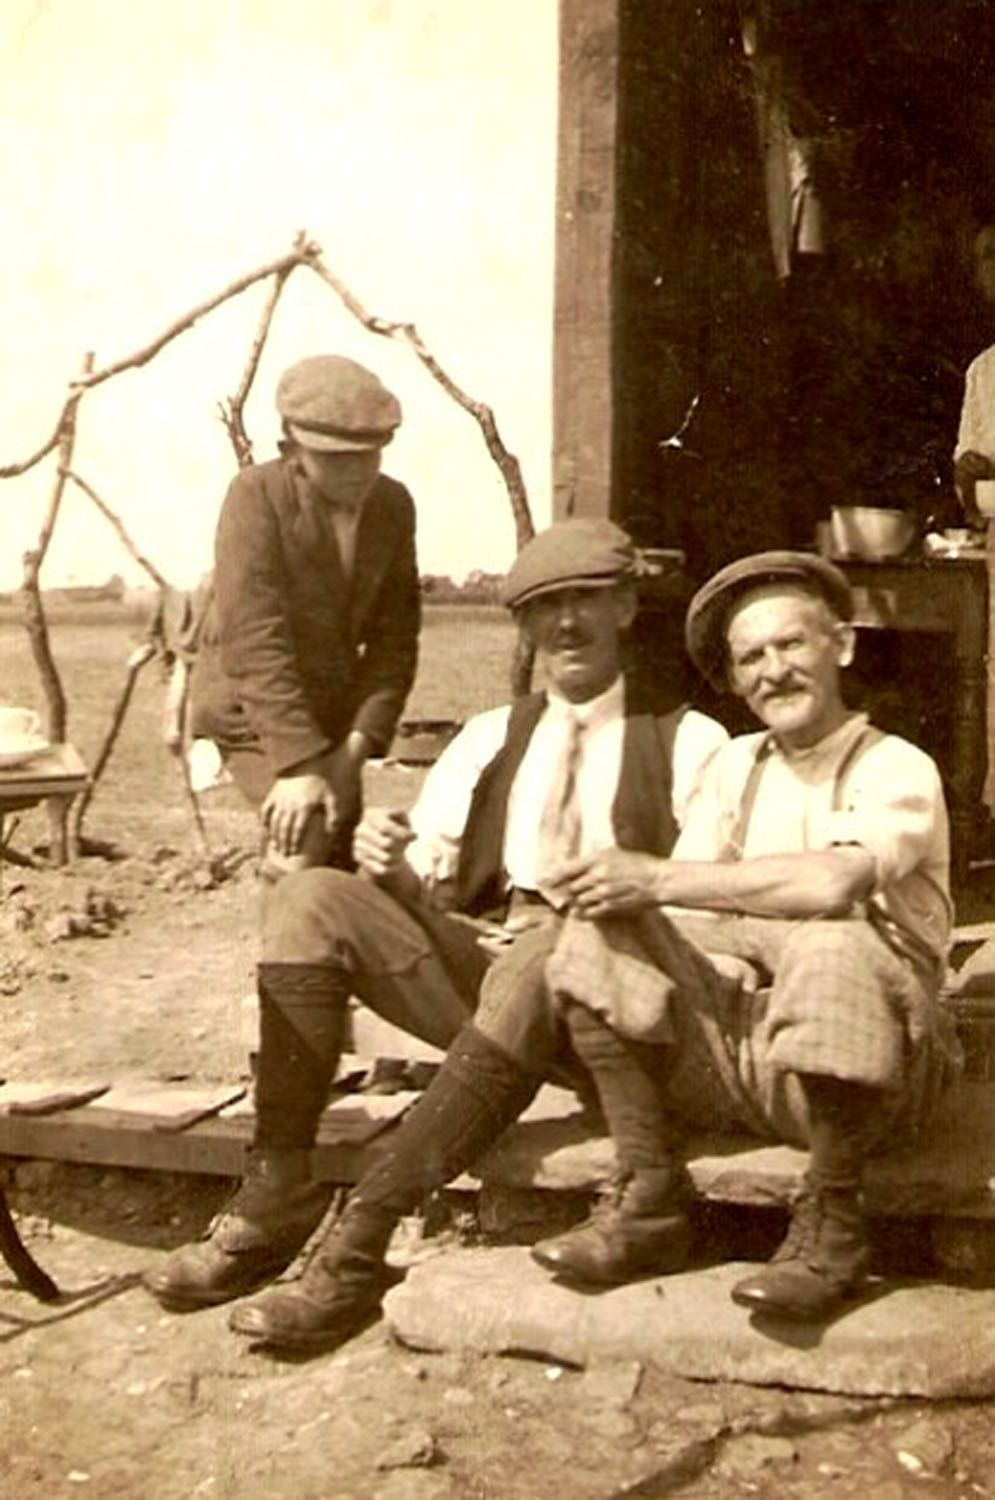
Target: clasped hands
609, 883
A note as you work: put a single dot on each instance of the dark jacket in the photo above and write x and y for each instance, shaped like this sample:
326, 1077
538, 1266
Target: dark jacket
295, 657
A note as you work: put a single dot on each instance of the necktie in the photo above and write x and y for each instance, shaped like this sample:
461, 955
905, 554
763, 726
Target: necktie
560, 824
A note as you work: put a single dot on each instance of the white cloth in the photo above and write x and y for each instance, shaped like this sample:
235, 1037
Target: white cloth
892, 806
344, 522
977, 414
439, 816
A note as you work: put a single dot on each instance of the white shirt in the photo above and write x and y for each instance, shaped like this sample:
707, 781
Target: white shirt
439, 816
977, 414
891, 805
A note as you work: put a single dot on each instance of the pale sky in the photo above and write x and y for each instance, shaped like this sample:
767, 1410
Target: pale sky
152, 152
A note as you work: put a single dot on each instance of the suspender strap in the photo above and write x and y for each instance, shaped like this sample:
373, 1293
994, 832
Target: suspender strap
868, 737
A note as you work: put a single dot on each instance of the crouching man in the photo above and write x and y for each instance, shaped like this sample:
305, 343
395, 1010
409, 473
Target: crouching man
817, 857
519, 793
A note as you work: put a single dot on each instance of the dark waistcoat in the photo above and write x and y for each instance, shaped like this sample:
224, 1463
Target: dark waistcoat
642, 814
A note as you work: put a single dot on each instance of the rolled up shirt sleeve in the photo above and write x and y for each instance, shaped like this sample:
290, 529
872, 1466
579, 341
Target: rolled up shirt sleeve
439, 816
894, 809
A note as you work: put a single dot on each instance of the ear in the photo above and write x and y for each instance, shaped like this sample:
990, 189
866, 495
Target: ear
846, 643
626, 605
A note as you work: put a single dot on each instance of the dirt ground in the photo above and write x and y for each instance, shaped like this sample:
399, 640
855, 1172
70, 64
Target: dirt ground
135, 968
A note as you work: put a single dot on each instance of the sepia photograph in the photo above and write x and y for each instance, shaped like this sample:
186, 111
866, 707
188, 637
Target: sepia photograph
497, 859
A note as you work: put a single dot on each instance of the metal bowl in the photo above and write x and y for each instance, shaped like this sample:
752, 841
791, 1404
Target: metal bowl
870, 532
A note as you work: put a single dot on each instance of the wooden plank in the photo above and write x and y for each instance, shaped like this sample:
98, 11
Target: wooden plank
58, 771
583, 416
125, 1128
951, 1173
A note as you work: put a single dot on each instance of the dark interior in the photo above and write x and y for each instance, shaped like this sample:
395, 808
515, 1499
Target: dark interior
748, 403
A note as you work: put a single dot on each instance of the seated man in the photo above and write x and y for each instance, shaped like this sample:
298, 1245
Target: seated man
814, 859
518, 792
817, 852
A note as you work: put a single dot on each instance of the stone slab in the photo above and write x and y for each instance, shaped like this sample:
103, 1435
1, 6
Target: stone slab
922, 1340
952, 1171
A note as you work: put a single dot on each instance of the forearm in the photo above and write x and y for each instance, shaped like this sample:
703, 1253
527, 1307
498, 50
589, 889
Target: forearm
778, 885
403, 883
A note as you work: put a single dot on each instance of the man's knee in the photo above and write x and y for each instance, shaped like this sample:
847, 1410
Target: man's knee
309, 914
516, 1010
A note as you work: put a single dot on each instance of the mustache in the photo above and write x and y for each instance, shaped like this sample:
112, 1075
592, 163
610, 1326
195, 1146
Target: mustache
569, 635
784, 689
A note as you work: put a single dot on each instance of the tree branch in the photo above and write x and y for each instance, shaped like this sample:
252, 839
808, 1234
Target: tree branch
231, 411
300, 255
482, 414
11, 471
118, 526
36, 624
136, 662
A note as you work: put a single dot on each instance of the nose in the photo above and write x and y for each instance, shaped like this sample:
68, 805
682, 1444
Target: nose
567, 610
775, 664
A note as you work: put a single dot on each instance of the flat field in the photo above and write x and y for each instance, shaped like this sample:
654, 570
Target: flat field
140, 802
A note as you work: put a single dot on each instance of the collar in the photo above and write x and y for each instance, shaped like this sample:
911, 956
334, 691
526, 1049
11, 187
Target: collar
836, 741
594, 711
319, 502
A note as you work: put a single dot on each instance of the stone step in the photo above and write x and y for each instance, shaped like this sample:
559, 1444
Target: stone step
180, 1128
919, 1340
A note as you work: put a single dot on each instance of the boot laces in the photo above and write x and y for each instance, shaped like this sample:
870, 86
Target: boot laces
802, 1237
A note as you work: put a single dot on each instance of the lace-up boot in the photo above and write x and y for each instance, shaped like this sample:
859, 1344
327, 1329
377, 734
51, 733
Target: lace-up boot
276, 1209
639, 1228
471, 1101
822, 1261
339, 1293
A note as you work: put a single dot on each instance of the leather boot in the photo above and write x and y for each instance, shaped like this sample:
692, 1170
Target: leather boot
822, 1261
276, 1209
640, 1228
471, 1101
339, 1293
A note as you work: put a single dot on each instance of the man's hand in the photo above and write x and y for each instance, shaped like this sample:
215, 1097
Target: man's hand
606, 884
972, 465
292, 801
968, 469
331, 784
380, 841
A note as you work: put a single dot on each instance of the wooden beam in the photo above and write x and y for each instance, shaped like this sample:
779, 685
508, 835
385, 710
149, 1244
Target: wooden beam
583, 414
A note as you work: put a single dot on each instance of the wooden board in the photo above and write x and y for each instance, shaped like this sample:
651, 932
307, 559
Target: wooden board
952, 1173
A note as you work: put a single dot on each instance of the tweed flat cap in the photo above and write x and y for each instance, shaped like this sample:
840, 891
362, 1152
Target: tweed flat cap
583, 553
335, 405
704, 628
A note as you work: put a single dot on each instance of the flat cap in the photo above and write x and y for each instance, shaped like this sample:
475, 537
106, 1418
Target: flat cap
704, 628
577, 554
335, 405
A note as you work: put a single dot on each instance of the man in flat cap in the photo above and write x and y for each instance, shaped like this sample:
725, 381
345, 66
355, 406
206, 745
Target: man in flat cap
460, 898
309, 649
815, 860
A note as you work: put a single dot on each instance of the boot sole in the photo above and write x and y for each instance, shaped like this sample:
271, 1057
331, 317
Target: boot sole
797, 1314
192, 1299
306, 1341
577, 1277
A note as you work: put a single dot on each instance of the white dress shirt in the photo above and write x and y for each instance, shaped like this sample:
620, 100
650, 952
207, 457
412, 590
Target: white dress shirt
439, 816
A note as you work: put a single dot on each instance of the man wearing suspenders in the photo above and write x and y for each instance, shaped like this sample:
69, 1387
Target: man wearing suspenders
780, 971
